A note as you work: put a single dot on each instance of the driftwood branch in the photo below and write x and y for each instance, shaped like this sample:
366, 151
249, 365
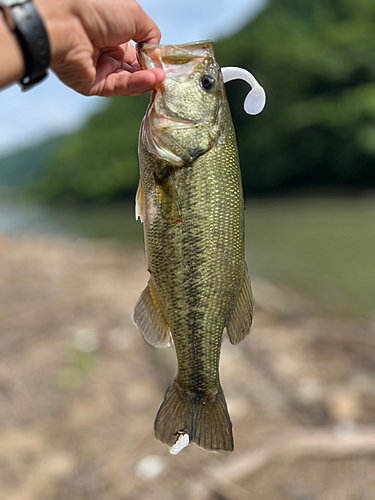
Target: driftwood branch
293, 444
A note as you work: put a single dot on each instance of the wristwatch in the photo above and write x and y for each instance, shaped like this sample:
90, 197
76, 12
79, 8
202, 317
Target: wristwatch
22, 18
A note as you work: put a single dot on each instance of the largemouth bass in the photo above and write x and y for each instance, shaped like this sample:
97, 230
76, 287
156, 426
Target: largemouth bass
191, 203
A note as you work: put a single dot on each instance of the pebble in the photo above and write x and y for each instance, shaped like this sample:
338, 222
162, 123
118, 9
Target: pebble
86, 340
150, 467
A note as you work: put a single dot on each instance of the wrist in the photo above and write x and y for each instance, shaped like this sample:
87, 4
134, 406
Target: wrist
12, 61
57, 16
27, 27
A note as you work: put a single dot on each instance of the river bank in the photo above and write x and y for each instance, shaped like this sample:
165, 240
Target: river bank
79, 389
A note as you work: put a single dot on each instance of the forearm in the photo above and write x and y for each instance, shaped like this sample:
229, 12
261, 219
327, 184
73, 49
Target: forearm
12, 62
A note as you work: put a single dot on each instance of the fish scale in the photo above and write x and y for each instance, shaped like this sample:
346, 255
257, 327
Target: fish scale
191, 202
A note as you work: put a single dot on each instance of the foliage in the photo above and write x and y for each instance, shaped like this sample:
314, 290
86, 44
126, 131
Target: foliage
26, 165
100, 163
316, 60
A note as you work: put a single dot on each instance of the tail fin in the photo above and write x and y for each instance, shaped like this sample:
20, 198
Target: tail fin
204, 418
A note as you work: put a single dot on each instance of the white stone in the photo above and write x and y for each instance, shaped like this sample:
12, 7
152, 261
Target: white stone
86, 340
150, 467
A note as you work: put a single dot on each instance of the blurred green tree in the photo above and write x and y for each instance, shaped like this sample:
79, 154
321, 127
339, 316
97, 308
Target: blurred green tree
99, 163
316, 60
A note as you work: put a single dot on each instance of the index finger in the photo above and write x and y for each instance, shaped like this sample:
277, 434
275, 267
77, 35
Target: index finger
113, 23
146, 29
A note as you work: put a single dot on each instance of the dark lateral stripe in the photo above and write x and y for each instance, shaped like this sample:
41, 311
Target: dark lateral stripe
193, 248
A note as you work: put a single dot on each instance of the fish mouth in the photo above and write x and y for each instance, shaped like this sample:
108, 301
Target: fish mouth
162, 56
163, 127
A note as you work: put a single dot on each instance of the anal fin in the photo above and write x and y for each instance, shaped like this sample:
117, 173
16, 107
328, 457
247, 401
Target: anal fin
149, 318
239, 323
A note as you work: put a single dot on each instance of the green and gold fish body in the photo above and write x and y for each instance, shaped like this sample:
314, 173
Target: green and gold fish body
191, 203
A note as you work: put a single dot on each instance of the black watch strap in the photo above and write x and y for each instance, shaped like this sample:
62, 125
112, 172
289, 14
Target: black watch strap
23, 18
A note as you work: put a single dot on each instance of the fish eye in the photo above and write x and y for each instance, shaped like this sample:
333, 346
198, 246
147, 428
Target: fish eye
207, 82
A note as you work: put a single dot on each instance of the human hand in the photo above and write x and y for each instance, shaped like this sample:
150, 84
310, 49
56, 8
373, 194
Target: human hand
90, 45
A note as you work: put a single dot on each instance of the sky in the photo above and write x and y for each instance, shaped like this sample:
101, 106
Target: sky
51, 108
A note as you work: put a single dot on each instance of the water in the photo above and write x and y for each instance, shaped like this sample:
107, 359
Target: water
109, 222
322, 248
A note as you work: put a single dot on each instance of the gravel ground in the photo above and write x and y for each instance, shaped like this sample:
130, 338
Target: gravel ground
79, 390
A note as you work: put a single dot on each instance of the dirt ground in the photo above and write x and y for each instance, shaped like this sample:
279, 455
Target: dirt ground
79, 390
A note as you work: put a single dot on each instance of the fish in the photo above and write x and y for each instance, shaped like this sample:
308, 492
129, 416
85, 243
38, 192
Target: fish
191, 203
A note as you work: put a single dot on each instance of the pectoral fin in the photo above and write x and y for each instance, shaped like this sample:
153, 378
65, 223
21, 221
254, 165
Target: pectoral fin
167, 198
150, 320
239, 323
139, 203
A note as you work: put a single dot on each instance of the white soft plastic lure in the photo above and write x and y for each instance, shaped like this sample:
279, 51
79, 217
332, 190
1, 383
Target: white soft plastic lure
256, 98
181, 443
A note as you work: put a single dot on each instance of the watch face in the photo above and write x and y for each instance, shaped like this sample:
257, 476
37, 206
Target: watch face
12, 3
